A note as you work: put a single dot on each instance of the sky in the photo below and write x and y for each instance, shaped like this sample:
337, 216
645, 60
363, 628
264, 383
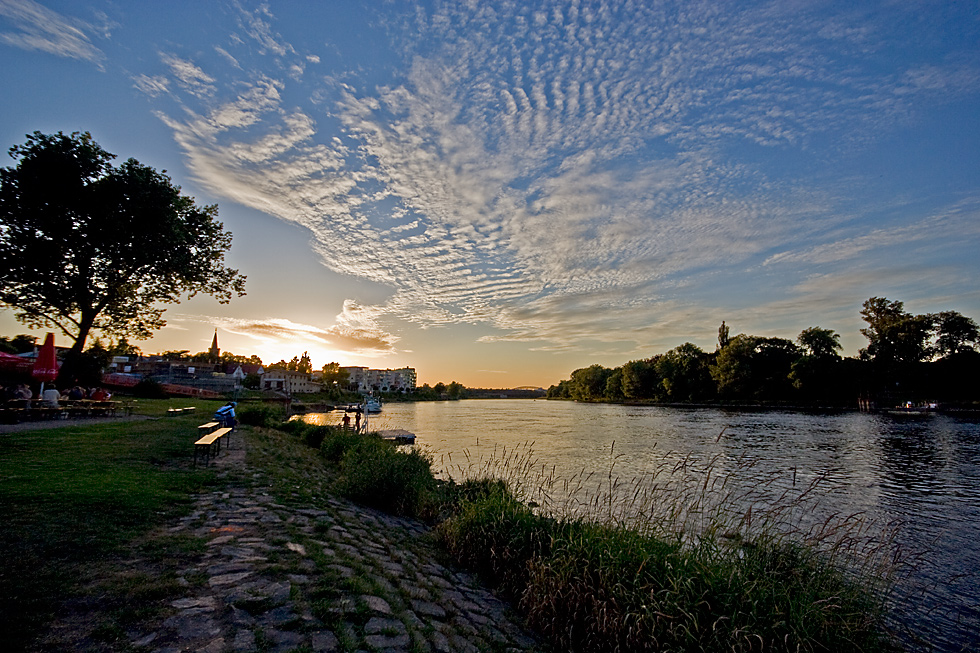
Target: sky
498, 193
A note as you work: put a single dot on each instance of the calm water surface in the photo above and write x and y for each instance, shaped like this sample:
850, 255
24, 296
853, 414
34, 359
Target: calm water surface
923, 472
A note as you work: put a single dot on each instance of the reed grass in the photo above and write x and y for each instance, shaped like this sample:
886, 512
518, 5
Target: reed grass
682, 559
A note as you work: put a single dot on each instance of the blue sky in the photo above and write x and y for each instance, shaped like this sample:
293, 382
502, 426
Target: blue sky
500, 192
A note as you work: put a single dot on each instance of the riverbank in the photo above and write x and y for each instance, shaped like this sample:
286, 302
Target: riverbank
263, 557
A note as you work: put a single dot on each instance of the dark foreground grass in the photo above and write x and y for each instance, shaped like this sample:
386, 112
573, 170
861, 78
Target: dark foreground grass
73, 498
595, 583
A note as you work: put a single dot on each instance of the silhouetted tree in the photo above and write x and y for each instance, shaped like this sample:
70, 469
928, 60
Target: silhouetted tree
20, 344
955, 333
87, 246
820, 343
894, 336
683, 373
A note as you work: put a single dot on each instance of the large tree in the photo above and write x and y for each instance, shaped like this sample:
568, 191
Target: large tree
895, 338
88, 246
819, 343
955, 333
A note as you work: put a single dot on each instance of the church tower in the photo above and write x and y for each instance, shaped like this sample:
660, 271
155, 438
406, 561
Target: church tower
214, 354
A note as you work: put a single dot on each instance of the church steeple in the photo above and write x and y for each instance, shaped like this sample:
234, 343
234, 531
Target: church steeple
214, 353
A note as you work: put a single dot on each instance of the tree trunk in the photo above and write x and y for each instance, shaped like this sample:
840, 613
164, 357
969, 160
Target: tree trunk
67, 374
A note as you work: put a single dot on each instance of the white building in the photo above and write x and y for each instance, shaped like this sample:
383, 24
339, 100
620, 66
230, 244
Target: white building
368, 380
287, 382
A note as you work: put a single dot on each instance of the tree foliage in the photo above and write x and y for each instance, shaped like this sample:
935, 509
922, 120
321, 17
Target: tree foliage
333, 374
88, 246
955, 333
19, 344
295, 364
820, 343
809, 371
895, 337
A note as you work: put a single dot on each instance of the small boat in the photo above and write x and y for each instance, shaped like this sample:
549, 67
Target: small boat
372, 405
908, 408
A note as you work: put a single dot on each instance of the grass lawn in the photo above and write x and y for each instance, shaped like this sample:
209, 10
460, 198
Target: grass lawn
74, 498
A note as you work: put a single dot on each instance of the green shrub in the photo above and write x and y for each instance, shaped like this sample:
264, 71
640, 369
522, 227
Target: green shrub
149, 389
376, 473
260, 415
337, 442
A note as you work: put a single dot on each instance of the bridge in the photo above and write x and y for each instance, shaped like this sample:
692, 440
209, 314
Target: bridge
520, 392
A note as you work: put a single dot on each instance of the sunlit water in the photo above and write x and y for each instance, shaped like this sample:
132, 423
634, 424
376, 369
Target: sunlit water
923, 472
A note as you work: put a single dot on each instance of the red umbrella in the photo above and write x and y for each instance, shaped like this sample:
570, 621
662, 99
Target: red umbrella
8, 361
46, 364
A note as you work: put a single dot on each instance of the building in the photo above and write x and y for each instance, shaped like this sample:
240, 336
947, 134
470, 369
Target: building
288, 382
205, 376
363, 379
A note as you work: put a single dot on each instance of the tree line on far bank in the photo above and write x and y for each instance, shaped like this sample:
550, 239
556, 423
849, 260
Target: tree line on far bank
929, 357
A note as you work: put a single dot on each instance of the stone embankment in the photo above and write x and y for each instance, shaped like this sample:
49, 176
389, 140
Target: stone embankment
335, 577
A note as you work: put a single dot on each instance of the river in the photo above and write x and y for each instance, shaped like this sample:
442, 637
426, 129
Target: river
921, 473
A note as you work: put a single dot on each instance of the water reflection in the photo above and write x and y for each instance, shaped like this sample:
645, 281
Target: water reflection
923, 472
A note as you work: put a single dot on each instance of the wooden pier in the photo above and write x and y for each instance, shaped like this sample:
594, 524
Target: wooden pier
398, 436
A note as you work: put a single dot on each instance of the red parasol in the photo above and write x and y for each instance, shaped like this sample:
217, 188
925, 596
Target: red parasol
8, 361
46, 364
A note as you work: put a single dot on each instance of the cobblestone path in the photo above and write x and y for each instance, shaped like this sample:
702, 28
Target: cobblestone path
335, 577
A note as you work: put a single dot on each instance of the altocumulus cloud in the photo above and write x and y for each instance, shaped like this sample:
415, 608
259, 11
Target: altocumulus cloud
38, 28
558, 171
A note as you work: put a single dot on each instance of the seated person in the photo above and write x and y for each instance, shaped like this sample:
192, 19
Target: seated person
226, 415
51, 396
99, 395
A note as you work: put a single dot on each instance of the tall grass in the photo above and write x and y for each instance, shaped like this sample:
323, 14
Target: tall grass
682, 559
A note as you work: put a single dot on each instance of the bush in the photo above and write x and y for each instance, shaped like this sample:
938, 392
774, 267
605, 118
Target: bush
337, 443
149, 389
377, 474
260, 415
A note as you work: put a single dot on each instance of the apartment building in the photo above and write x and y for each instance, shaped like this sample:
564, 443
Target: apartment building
364, 379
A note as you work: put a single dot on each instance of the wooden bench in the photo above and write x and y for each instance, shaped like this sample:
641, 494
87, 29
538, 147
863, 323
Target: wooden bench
205, 429
180, 411
209, 445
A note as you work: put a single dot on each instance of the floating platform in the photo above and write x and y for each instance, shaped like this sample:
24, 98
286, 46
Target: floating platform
398, 436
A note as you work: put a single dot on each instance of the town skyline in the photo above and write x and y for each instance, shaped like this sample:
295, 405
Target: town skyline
499, 194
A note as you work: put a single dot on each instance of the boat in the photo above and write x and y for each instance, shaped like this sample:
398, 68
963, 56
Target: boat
372, 405
908, 408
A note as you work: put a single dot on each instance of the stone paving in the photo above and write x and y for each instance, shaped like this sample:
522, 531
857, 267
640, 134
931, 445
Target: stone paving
335, 577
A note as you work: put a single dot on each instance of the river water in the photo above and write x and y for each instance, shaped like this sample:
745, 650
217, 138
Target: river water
917, 474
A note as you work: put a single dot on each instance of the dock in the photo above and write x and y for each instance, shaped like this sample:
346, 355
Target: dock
398, 436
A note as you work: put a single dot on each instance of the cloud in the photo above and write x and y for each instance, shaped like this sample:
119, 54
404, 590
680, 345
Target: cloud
562, 173
152, 86
189, 76
39, 28
356, 331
